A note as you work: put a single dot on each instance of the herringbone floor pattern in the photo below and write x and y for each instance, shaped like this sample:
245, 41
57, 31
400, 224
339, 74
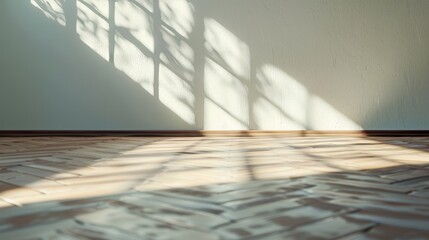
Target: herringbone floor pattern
214, 188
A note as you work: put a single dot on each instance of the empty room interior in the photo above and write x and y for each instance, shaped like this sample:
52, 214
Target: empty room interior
214, 119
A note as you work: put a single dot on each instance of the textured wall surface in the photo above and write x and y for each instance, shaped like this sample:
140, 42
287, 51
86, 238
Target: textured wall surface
214, 64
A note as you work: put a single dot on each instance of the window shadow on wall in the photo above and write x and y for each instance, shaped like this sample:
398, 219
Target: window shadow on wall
59, 77
358, 67
294, 69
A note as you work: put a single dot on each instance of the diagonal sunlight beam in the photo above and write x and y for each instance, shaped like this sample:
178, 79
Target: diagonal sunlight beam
118, 165
200, 70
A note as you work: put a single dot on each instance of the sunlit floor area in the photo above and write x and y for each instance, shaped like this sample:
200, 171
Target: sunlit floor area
279, 187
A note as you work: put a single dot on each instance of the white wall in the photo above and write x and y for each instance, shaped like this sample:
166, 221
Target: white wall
214, 64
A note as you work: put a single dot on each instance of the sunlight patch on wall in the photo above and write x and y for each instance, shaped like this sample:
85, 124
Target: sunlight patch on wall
176, 24
176, 69
178, 15
227, 73
178, 56
93, 27
323, 116
280, 100
52, 9
134, 42
176, 94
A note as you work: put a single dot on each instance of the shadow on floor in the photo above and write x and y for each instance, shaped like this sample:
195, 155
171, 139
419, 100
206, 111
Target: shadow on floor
218, 188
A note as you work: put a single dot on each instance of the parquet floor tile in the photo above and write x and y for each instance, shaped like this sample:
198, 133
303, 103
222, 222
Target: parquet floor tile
279, 187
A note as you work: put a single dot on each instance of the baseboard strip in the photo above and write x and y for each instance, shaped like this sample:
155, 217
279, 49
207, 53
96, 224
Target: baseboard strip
211, 133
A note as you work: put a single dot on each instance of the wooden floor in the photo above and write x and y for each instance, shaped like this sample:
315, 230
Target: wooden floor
214, 188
